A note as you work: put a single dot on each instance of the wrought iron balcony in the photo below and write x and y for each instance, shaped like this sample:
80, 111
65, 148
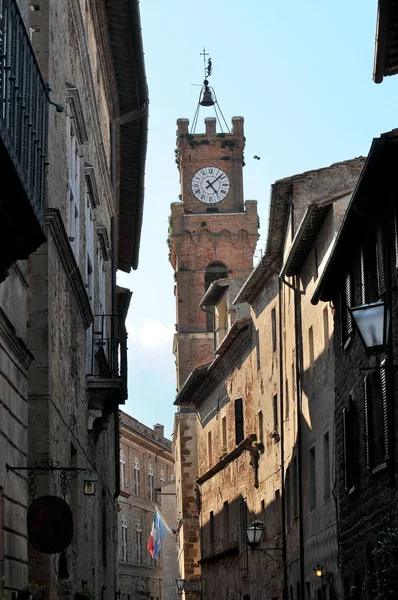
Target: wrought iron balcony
23, 140
107, 368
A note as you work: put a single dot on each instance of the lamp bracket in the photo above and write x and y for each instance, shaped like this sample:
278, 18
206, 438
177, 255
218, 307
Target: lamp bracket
49, 464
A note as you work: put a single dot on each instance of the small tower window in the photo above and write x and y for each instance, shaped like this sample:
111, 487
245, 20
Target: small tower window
214, 271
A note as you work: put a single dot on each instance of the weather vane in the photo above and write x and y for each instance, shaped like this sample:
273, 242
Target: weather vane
209, 67
207, 95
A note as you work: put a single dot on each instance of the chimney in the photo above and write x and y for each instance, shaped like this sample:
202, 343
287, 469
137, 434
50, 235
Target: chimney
159, 430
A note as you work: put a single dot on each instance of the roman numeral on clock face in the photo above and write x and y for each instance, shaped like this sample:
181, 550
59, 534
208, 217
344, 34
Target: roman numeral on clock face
210, 185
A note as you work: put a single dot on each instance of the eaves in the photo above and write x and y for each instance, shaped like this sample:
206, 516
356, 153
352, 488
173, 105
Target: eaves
205, 378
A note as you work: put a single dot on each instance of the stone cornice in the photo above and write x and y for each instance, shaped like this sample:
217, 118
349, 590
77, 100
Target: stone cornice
56, 228
13, 342
231, 456
143, 442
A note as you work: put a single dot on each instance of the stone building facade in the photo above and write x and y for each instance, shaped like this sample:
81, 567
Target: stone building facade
362, 270
256, 417
61, 311
212, 235
146, 478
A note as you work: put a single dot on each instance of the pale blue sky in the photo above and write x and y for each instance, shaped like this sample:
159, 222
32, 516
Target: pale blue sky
300, 73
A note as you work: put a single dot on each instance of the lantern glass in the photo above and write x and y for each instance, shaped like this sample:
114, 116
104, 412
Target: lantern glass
254, 533
89, 485
319, 570
373, 323
180, 585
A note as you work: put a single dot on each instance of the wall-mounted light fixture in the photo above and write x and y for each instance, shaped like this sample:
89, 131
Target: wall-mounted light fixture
89, 485
180, 585
254, 533
319, 570
373, 324
325, 576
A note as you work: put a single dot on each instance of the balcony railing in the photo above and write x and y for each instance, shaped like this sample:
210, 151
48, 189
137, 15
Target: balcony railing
23, 106
108, 359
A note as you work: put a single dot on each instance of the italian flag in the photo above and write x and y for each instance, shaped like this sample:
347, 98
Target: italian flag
158, 531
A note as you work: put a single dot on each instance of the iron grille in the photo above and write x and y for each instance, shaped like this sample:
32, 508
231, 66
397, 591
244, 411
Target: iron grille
108, 348
23, 106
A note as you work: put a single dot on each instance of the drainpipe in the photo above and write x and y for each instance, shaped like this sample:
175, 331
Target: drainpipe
282, 450
114, 310
299, 371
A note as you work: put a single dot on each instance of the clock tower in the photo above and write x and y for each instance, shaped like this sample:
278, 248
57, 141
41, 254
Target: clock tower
212, 235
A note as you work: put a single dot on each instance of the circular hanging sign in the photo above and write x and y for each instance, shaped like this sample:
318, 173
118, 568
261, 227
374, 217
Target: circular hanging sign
50, 524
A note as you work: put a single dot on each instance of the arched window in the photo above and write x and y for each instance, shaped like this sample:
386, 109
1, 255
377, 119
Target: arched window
122, 468
136, 476
162, 477
150, 482
138, 541
124, 539
214, 271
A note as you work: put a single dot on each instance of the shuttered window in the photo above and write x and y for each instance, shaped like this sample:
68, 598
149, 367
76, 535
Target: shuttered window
239, 429
373, 281
346, 302
396, 237
376, 417
349, 427
243, 536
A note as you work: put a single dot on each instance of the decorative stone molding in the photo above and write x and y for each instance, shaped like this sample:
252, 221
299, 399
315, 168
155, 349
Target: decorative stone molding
92, 185
12, 341
76, 113
56, 228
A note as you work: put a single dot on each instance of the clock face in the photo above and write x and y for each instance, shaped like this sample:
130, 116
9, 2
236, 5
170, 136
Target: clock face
210, 185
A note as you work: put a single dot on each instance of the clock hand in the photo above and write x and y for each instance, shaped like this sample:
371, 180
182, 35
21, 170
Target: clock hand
211, 185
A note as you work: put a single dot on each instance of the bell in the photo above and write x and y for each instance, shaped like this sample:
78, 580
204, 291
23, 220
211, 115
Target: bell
207, 98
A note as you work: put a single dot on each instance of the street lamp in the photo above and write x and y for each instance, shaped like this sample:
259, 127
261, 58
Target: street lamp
180, 585
373, 323
319, 570
89, 485
254, 533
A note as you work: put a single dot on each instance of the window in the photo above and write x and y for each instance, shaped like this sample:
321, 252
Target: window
211, 532
260, 426
103, 528
396, 237
226, 524
224, 433
209, 449
326, 466
162, 477
295, 487
288, 496
376, 417
312, 479
372, 268
273, 325
346, 301
150, 482
124, 539
349, 440
287, 399
239, 432
138, 541
122, 470
258, 349
74, 163
326, 339
214, 271
311, 354
275, 411
136, 474
278, 516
